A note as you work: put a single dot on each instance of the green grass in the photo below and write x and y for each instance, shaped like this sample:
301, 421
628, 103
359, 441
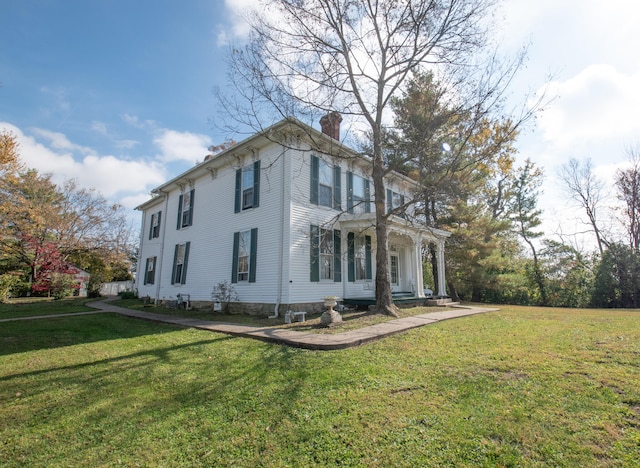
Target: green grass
518, 387
29, 307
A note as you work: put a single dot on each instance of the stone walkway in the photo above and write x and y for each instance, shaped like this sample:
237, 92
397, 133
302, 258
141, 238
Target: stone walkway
301, 339
279, 335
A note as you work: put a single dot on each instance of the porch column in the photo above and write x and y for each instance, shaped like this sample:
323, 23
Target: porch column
419, 279
442, 282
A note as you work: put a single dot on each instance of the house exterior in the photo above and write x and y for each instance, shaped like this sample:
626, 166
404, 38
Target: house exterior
286, 217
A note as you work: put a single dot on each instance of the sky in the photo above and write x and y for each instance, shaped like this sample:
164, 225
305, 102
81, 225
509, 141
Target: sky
118, 94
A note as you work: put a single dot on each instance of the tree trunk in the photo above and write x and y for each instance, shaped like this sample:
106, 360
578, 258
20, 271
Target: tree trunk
384, 298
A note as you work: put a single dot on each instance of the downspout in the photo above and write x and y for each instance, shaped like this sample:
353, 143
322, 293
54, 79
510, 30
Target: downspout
139, 271
281, 246
161, 255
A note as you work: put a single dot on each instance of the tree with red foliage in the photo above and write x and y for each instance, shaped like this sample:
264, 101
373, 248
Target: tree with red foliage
50, 272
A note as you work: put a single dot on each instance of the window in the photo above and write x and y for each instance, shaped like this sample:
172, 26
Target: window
394, 264
394, 200
185, 209
150, 271
325, 184
358, 194
359, 256
325, 255
247, 187
180, 261
245, 246
154, 231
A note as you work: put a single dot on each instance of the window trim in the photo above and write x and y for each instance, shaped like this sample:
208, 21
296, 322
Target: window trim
351, 257
150, 274
252, 260
336, 193
240, 189
357, 204
180, 278
182, 222
154, 231
315, 254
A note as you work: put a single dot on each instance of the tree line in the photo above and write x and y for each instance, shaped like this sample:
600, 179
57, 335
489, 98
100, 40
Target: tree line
50, 231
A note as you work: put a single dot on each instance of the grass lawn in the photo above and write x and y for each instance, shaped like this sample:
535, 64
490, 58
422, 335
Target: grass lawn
517, 387
29, 307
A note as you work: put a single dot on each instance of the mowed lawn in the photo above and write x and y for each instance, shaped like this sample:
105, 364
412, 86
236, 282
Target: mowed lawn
517, 387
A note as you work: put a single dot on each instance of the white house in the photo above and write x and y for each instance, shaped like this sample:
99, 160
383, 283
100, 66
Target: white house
285, 216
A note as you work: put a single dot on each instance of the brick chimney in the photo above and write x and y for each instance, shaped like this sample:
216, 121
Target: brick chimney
330, 124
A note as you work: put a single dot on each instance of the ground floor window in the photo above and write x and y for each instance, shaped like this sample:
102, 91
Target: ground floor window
180, 263
245, 251
325, 254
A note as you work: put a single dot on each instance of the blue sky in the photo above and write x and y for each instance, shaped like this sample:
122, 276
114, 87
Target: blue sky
118, 94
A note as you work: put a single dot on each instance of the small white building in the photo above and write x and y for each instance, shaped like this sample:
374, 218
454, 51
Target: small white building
287, 217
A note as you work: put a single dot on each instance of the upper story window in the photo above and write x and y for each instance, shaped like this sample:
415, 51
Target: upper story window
358, 194
394, 201
247, 187
185, 209
325, 184
154, 230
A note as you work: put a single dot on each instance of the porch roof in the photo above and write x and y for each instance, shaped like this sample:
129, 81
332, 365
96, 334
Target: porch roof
367, 221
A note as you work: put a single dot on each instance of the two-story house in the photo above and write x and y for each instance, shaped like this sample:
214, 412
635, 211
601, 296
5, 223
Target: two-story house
287, 217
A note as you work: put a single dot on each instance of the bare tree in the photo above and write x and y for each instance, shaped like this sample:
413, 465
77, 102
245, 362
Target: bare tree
628, 185
584, 188
313, 57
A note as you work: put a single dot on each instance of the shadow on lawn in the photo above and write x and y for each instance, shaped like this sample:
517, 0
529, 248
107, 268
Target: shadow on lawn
55, 332
178, 388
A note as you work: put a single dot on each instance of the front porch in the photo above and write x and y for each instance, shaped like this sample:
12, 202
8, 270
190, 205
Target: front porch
401, 299
407, 244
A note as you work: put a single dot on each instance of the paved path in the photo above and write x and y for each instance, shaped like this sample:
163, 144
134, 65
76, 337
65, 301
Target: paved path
280, 335
301, 339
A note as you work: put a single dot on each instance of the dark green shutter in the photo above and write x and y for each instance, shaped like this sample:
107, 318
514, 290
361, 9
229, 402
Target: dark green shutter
191, 205
238, 205
389, 201
185, 263
315, 179
234, 259
175, 265
151, 229
146, 271
367, 196
256, 184
337, 256
349, 192
159, 222
315, 254
180, 212
367, 258
253, 255
153, 272
351, 257
337, 191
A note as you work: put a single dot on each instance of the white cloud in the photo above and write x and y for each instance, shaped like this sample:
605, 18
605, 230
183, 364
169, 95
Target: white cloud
52, 153
237, 11
182, 146
598, 103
